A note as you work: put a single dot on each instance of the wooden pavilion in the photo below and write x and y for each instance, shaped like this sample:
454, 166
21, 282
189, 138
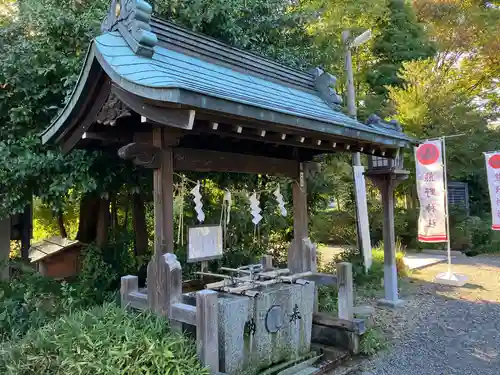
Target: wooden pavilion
174, 100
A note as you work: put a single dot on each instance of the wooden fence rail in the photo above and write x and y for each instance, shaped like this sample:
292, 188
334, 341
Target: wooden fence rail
165, 298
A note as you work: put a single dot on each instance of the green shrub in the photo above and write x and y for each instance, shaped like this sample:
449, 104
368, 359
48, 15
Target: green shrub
103, 340
328, 299
372, 341
376, 272
333, 227
30, 301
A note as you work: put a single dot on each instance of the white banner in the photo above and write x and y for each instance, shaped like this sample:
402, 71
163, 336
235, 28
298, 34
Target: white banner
431, 192
362, 207
493, 172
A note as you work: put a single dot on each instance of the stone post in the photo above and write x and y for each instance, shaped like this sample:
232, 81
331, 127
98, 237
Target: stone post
387, 180
346, 291
207, 329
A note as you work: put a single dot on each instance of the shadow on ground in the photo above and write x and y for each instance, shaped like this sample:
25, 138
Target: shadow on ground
443, 329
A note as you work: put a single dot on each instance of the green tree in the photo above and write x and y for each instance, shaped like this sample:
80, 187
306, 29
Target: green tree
401, 38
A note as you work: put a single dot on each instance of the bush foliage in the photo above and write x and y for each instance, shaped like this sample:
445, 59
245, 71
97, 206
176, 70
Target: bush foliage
102, 340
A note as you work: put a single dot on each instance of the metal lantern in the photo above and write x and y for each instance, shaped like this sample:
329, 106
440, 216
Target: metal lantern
379, 162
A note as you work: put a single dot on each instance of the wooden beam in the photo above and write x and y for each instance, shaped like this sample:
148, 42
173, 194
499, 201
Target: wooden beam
107, 137
327, 320
177, 118
272, 138
142, 154
138, 301
214, 161
183, 313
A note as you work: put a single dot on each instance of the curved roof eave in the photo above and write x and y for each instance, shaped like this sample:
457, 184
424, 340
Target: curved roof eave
96, 61
90, 69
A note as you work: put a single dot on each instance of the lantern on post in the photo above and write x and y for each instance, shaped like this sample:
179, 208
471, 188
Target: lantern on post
381, 162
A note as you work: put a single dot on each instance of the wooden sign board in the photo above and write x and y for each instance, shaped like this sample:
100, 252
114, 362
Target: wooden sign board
204, 243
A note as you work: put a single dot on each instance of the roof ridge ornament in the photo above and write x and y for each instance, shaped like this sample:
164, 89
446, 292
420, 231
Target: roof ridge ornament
376, 121
132, 19
325, 83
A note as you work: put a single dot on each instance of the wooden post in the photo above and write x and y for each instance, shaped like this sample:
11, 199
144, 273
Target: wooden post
296, 256
267, 262
207, 329
173, 287
387, 181
4, 248
346, 291
390, 269
164, 285
300, 219
129, 284
159, 288
163, 182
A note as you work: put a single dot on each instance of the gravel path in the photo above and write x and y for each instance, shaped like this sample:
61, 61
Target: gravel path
445, 330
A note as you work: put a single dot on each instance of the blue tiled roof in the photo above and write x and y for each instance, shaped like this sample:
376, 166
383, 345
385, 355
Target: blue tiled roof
168, 69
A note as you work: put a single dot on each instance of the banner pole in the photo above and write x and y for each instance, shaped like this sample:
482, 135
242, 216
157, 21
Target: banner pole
448, 278
446, 203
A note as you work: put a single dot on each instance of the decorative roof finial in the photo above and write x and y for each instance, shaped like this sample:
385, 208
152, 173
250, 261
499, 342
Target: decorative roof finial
131, 18
324, 83
376, 121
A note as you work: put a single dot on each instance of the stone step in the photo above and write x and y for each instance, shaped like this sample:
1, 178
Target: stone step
307, 371
330, 353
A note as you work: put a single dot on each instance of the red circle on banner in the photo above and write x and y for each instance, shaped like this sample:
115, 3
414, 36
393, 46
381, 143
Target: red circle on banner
494, 161
427, 154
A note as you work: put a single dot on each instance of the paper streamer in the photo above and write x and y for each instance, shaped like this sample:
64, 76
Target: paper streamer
281, 203
197, 201
227, 202
255, 209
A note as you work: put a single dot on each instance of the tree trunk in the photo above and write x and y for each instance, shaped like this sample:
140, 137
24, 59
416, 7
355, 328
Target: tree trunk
114, 216
26, 233
60, 223
87, 229
125, 217
103, 219
139, 223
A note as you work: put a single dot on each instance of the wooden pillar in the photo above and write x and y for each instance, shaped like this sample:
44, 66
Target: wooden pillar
300, 218
387, 181
159, 287
4, 248
163, 194
296, 257
390, 270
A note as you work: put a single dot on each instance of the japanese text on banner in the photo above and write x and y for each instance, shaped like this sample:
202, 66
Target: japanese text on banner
431, 192
493, 172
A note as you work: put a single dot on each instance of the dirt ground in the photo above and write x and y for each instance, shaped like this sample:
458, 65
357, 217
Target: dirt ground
441, 329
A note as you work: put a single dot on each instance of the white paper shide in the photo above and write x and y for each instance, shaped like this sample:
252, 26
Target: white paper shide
431, 192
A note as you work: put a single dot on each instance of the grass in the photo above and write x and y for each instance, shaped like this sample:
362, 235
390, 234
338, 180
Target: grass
102, 340
373, 341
